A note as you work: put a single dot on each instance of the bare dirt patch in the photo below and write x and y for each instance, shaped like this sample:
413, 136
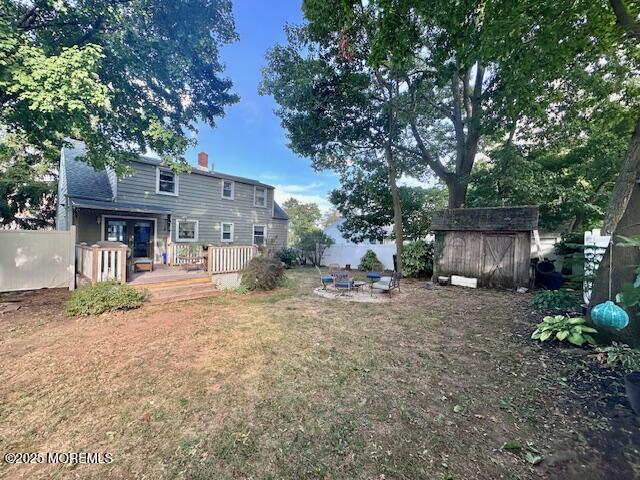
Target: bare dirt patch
291, 385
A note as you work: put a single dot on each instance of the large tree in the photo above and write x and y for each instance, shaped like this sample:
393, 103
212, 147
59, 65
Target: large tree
303, 218
337, 107
568, 168
124, 76
366, 206
628, 19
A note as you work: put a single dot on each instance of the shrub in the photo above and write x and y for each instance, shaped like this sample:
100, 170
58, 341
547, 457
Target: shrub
619, 354
313, 244
562, 328
263, 273
288, 255
556, 301
369, 261
417, 259
104, 297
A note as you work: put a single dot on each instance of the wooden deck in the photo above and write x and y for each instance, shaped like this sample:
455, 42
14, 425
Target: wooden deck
165, 274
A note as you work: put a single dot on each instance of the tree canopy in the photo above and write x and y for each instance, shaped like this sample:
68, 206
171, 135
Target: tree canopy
303, 218
365, 203
124, 76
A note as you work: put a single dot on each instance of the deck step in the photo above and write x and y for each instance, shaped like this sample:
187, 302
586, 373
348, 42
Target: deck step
181, 292
173, 283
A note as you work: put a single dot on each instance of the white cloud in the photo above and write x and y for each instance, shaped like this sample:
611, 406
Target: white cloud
303, 193
407, 181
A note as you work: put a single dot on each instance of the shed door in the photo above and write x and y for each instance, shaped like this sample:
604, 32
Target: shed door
498, 260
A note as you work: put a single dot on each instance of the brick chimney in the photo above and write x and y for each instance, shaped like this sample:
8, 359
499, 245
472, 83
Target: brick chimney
203, 161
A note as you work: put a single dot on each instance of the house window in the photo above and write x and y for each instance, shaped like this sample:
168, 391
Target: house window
166, 182
186, 230
260, 196
227, 189
259, 234
227, 232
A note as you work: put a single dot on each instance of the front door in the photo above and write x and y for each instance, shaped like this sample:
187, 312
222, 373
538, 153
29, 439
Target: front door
137, 234
142, 235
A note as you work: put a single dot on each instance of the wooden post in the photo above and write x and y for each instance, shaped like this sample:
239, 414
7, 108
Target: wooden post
94, 263
210, 259
170, 254
123, 264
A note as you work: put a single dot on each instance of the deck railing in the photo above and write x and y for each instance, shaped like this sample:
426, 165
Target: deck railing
230, 258
185, 253
100, 263
223, 259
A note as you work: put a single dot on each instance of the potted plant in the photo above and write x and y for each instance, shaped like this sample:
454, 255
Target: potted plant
632, 386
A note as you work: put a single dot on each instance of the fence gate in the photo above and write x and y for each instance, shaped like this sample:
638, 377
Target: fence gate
33, 259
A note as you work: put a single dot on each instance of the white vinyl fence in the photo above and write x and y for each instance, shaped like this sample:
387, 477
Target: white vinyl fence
595, 247
351, 254
32, 259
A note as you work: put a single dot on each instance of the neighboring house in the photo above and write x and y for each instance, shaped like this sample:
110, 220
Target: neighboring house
334, 232
154, 207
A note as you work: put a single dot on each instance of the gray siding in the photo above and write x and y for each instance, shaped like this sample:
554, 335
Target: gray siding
278, 233
200, 198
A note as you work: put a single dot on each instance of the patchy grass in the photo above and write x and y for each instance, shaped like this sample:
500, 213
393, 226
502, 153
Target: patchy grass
435, 384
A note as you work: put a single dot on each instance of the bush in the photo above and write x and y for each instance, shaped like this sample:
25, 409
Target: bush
263, 273
369, 262
556, 301
417, 259
288, 255
104, 297
559, 327
313, 244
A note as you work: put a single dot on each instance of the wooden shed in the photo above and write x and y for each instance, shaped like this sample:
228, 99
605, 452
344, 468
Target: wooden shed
490, 244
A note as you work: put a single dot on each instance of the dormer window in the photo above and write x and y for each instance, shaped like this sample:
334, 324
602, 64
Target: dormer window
260, 196
166, 182
228, 187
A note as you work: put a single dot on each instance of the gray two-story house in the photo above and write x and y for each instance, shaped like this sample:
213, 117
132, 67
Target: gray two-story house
154, 206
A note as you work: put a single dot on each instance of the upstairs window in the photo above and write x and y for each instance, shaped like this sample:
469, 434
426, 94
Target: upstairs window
227, 233
186, 230
227, 189
259, 234
260, 196
166, 182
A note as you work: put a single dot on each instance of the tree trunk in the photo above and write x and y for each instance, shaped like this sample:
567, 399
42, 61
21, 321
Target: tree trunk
397, 208
457, 192
625, 184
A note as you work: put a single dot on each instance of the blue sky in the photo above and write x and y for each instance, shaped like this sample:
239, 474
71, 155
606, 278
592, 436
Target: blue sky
249, 140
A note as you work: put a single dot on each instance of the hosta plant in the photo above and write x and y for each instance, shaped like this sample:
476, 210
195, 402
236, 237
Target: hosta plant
556, 301
564, 329
619, 354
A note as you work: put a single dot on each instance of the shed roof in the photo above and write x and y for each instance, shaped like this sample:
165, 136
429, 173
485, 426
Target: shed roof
506, 219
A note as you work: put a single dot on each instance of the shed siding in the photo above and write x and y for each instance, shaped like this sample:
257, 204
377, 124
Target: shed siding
200, 198
467, 253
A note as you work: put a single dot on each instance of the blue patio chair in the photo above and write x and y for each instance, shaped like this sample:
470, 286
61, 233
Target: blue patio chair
343, 285
373, 276
325, 279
